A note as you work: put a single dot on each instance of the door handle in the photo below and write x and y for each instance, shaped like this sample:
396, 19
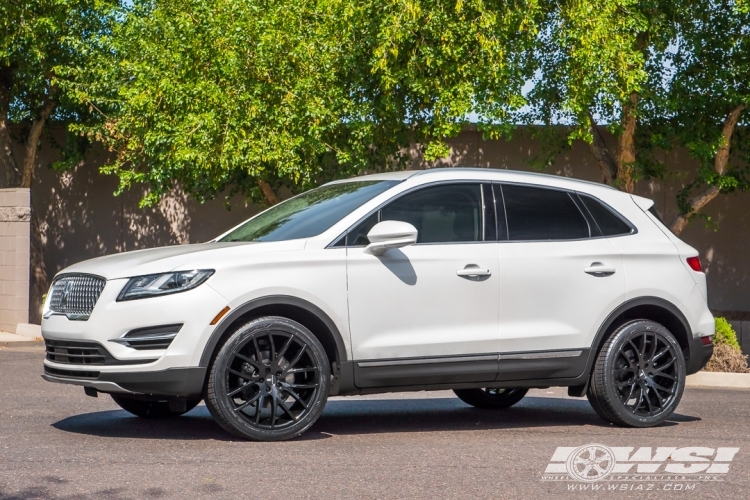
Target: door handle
600, 270
473, 271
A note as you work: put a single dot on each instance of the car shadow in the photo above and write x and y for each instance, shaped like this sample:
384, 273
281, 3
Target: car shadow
360, 416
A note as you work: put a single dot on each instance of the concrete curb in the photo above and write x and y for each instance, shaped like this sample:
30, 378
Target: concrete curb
12, 337
719, 379
29, 330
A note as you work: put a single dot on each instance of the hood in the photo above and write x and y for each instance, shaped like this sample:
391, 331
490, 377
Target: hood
165, 259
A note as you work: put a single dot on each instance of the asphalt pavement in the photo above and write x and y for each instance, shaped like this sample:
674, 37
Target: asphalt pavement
57, 443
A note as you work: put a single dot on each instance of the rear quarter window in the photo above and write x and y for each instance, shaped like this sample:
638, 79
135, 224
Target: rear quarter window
610, 222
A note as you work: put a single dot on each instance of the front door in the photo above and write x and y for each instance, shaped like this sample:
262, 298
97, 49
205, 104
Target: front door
417, 315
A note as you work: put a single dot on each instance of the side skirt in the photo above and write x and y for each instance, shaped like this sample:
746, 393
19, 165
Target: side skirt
529, 369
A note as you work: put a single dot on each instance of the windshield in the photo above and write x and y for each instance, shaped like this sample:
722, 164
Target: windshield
308, 214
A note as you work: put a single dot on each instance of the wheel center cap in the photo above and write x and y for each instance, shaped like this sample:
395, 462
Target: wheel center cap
270, 380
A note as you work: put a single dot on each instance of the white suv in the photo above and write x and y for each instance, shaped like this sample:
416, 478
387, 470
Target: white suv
481, 281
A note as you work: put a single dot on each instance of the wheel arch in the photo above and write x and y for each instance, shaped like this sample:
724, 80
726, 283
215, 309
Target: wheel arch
651, 308
294, 308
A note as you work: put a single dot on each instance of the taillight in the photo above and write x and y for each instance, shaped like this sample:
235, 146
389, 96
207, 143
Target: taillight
707, 340
695, 264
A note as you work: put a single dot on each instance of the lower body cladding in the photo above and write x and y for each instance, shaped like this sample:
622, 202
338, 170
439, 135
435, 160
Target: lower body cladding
486, 370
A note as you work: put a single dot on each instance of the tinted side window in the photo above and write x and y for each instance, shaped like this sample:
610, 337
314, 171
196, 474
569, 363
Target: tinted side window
542, 214
609, 223
448, 213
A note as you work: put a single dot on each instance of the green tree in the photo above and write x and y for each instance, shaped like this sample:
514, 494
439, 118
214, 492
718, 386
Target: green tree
39, 38
658, 75
248, 96
707, 99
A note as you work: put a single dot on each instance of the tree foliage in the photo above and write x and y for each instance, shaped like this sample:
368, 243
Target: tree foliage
659, 75
250, 95
37, 39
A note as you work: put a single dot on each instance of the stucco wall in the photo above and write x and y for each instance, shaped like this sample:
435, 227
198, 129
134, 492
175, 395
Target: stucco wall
82, 219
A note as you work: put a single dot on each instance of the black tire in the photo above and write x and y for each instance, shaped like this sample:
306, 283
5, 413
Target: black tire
491, 399
269, 381
151, 409
639, 375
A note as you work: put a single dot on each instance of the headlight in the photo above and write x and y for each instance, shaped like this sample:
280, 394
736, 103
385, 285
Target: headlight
153, 285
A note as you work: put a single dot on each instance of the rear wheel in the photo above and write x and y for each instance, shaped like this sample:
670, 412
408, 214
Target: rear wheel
151, 409
639, 375
491, 398
270, 380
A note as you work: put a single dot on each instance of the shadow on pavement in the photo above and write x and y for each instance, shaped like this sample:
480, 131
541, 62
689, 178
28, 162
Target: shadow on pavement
357, 416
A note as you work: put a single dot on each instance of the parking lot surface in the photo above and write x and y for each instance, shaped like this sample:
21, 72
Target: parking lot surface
57, 443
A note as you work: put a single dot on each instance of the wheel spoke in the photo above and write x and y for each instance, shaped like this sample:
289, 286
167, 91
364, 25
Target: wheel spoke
650, 407
248, 402
240, 374
298, 356
248, 360
661, 388
665, 365
296, 397
259, 407
660, 354
635, 349
240, 389
274, 407
302, 386
286, 345
638, 401
286, 409
653, 347
659, 373
272, 358
302, 370
257, 350
630, 394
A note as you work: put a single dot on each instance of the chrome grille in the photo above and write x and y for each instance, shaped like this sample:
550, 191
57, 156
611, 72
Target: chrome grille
75, 295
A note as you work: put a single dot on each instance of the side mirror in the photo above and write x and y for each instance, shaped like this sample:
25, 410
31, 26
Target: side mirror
390, 234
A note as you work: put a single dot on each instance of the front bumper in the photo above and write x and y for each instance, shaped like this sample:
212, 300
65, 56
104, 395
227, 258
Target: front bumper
171, 371
181, 382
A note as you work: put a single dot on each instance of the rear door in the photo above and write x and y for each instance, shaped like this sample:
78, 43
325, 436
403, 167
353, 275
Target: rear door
559, 279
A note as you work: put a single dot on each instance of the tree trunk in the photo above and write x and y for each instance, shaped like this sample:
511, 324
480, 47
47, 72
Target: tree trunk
32, 141
720, 166
626, 145
9, 176
601, 154
267, 190
37, 271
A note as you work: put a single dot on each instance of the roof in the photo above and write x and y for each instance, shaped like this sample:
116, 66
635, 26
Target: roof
485, 173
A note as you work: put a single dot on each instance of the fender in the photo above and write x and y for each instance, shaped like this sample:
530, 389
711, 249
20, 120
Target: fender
622, 309
271, 300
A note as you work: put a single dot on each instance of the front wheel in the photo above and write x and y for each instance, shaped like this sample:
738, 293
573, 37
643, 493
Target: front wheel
491, 399
151, 409
269, 381
639, 375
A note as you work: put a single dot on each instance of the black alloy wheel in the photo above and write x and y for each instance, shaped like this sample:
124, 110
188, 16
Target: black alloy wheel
639, 375
491, 399
270, 380
149, 408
